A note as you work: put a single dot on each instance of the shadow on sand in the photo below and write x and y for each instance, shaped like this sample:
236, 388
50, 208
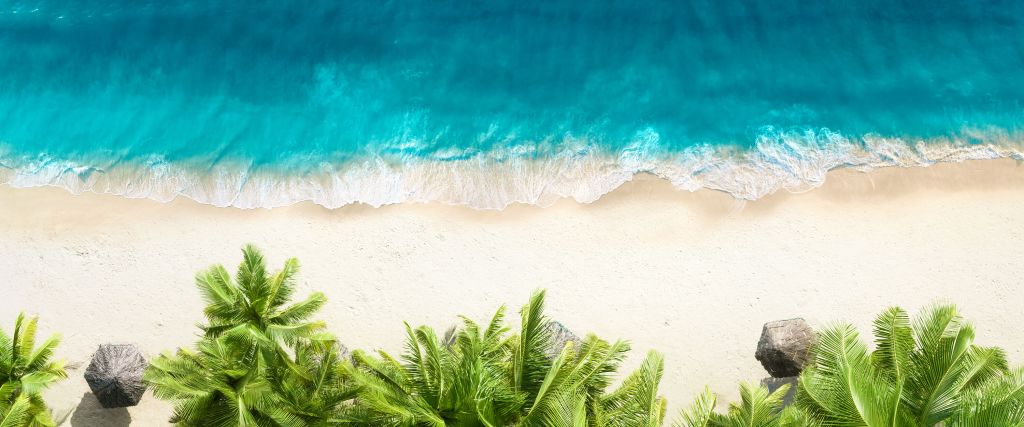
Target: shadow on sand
90, 413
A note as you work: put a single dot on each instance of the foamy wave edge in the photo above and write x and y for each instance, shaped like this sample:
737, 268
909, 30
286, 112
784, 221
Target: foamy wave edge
777, 161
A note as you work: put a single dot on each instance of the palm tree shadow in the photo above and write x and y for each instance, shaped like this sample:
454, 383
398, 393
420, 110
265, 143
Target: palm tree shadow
90, 413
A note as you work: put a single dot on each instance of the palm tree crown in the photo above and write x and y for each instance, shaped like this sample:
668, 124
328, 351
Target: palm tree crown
261, 361
254, 306
926, 372
922, 373
25, 371
484, 377
757, 407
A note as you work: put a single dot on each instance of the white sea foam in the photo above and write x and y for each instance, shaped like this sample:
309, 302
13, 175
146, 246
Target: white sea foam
778, 161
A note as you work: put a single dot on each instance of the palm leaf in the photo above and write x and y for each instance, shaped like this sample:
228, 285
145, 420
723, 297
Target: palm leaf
42, 355
841, 387
757, 407
894, 343
18, 413
529, 361
699, 413
25, 372
302, 310
636, 401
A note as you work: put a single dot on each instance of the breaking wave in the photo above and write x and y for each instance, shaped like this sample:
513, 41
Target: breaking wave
777, 161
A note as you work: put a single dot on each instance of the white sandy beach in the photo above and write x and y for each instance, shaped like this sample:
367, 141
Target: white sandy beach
693, 275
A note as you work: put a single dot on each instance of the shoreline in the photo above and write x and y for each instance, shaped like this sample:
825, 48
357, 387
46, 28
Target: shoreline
497, 180
691, 274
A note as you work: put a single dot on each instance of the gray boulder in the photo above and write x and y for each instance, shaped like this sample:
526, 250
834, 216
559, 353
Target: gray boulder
560, 336
448, 339
340, 349
343, 351
115, 375
775, 383
785, 347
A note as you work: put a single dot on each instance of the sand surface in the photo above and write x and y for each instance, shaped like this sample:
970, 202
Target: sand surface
693, 275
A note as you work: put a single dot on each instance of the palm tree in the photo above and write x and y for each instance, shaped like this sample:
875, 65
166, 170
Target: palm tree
757, 407
253, 308
261, 361
321, 396
458, 384
25, 371
998, 402
921, 374
220, 384
483, 377
636, 402
15, 412
574, 390
226, 384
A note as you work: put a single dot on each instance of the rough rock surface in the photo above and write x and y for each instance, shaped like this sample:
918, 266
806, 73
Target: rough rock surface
115, 375
560, 336
785, 347
774, 383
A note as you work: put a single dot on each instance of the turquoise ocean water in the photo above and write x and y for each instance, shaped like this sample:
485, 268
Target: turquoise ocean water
265, 103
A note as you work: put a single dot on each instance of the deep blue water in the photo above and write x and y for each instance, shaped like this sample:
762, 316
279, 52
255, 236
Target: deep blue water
297, 87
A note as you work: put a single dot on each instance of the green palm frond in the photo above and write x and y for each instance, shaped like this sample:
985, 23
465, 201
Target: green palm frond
925, 372
428, 364
25, 337
596, 361
252, 307
947, 365
261, 361
944, 339
386, 368
25, 372
496, 328
554, 390
561, 408
252, 274
219, 384
700, 412
979, 365
997, 402
321, 397
791, 416
7, 347
636, 401
529, 361
481, 376
841, 386
17, 414
389, 393
894, 344
281, 286
480, 390
37, 381
1004, 390
757, 408
389, 405
300, 311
